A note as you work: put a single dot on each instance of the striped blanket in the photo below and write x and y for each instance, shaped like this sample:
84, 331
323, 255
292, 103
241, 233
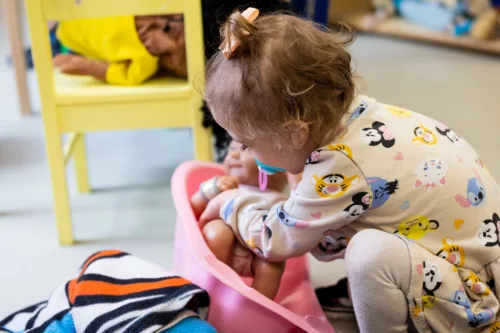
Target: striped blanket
116, 292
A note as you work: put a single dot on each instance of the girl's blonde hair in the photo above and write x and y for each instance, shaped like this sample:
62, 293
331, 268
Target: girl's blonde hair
286, 68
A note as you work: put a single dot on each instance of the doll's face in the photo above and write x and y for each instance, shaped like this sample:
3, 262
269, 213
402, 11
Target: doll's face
163, 36
241, 164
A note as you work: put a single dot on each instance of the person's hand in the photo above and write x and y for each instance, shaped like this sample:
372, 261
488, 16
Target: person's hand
213, 208
72, 64
226, 183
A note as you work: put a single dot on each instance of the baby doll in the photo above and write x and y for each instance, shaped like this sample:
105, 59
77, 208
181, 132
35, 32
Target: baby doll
242, 173
124, 50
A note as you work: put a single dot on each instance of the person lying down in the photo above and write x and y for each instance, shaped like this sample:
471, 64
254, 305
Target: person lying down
123, 50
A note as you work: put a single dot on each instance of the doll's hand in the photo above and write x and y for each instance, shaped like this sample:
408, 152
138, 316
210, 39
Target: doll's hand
226, 183
213, 208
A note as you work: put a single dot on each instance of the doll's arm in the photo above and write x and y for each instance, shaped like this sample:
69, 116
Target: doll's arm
210, 189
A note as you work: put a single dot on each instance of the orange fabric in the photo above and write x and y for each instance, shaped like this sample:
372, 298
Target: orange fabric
88, 288
73, 283
97, 256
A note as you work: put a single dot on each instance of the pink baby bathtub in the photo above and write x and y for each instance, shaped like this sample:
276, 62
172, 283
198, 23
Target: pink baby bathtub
234, 306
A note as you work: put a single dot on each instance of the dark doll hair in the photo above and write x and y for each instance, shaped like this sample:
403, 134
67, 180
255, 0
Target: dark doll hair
286, 68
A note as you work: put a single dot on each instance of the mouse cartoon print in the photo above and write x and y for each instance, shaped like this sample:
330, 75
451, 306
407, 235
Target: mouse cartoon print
487, 232
360, 203
378, 134
331, 245
432, 277
314, 158
334, 242
452, 136
424, 135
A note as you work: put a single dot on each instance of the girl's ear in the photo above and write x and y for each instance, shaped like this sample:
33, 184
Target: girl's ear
298, 133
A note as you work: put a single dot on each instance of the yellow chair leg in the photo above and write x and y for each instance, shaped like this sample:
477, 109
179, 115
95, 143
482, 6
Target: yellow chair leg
202, 140
62, 207
81, 169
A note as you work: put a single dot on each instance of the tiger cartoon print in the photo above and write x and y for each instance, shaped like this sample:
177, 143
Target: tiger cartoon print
424, 135
333, 185
451, 252
476, 285
495, 328
342, 148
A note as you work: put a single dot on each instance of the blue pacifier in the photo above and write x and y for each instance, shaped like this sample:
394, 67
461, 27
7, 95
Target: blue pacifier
264, 171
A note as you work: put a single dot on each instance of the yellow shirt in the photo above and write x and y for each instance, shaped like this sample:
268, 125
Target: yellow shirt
114, 40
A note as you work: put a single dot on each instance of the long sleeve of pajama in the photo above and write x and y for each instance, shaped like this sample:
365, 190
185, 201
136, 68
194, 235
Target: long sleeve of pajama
333, 193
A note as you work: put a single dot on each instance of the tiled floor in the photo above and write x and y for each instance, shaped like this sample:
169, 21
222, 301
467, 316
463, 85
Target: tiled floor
132, 209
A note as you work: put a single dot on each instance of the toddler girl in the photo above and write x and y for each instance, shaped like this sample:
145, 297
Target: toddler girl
409, 198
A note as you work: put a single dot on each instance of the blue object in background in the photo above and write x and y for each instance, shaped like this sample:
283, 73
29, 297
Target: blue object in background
319, 8
463, 28
428, 14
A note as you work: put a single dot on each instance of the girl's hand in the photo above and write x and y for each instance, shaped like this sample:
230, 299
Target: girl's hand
213, 208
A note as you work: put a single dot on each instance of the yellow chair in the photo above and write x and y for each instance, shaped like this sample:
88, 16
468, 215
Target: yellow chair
77, 105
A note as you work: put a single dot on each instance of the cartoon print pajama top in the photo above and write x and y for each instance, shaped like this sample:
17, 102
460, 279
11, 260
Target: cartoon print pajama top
406, 174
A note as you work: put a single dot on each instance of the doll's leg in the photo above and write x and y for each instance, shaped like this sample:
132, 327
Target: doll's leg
267, 276
220, 239
378, 267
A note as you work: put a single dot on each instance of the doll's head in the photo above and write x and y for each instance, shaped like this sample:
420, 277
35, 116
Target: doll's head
285, 88
241, 164
163, 36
